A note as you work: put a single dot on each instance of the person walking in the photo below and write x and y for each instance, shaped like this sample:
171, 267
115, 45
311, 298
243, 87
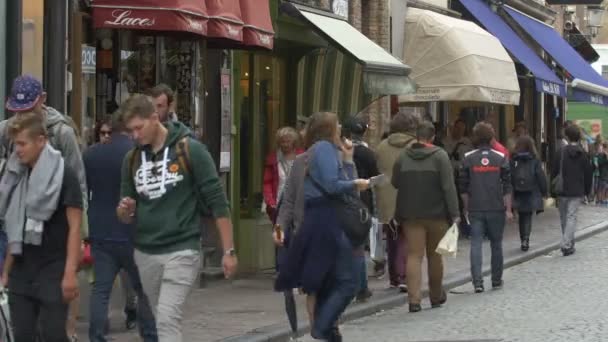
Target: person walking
572, 165
277, 168
529, 186
320, 257
41, 206
425, 168
167, 182
112, 241
485, 188
164, 101
402, 135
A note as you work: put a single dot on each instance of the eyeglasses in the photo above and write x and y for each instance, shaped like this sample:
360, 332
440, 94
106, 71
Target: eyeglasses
108, 133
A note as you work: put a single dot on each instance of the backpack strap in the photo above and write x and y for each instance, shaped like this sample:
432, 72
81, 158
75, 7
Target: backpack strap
133, 160
183, 154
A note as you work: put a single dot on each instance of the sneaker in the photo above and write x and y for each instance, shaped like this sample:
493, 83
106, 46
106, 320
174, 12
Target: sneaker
498, 285
568, 251
479, 289
525, 245
402, 288
415, 308
131, 320
364, 295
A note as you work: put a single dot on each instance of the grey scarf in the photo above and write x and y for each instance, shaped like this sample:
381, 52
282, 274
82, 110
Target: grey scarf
28, 198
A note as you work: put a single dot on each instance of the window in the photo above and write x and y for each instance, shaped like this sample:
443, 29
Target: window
605, 71
33, 38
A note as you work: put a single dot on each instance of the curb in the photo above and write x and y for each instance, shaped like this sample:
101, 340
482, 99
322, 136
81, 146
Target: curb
281, 332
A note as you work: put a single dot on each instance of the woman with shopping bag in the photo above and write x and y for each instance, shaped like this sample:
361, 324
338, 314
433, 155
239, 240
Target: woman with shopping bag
425, 168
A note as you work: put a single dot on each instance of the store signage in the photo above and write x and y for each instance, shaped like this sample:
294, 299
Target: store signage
340, 7
550, 88
574, 2
89, 59
124, 18
583, 96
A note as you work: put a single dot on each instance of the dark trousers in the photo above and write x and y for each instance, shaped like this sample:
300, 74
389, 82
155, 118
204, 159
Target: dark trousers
109, 258
338, 292
44, 309
491, 223
397, 255
525, 225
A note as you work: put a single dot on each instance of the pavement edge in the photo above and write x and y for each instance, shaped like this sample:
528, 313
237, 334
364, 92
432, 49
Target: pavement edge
281, 332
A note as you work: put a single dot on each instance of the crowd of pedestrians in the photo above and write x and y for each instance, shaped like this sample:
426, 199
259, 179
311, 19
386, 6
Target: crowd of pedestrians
133, 203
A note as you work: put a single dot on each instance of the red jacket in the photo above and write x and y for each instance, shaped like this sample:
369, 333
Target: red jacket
271, 179
500, 148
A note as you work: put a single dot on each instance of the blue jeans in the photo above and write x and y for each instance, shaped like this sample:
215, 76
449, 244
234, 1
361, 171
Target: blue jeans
3, 245
491, 223
361, 272
337, 292
109, 258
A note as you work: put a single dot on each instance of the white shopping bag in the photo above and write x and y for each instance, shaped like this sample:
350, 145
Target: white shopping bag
6, 333
376, 241
449, 243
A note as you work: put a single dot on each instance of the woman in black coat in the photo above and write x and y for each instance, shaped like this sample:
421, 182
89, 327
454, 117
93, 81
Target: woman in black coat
529, 186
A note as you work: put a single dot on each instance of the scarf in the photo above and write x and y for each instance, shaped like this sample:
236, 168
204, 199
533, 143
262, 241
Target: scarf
28, 198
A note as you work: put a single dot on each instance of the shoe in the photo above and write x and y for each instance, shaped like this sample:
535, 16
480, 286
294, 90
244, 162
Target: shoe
335, 335
364, 295
402, 288
525, 245
131, 321
415, 308
498, 285
74, 338
444, 299
568, 251
379, 270
479, 289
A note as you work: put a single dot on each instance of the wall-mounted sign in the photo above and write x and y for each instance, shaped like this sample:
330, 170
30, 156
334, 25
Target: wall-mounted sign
574, 2
340, 7
89, 59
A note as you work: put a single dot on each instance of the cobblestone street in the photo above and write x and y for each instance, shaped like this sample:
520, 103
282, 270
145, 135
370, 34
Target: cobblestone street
551, 298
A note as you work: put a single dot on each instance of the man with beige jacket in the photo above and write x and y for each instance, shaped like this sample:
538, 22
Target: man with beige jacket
402, 135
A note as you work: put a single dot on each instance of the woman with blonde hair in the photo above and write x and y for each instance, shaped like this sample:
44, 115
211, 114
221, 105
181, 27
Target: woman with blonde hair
320, 258
277, 168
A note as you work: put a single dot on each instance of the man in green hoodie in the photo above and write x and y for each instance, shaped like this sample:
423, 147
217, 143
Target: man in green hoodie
165, 184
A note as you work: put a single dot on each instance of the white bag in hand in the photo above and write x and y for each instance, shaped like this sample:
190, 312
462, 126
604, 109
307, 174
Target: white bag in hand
376, 241
449, 243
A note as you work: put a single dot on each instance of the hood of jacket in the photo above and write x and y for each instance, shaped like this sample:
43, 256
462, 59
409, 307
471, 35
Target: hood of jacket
523, 156
574, 151
420, 151
176, 131
53, 117
400, 140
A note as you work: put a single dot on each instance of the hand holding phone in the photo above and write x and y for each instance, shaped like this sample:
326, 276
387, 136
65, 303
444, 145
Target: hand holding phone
378, 180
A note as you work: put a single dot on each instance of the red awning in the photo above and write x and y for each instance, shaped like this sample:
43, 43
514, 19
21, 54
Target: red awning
258, 31
158, 15
225, 20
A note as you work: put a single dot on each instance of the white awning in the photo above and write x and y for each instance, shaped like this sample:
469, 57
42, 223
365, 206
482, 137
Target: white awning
456, 60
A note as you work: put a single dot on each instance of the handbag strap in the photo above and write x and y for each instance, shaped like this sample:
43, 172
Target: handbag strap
561, 161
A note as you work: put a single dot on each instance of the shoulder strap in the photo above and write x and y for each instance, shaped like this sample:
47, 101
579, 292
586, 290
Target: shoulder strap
183, 154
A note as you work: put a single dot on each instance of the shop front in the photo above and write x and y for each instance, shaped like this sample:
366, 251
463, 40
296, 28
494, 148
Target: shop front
319, 63
461, 71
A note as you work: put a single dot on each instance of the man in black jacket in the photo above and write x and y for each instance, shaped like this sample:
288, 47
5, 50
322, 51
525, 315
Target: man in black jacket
485, 188
572, 163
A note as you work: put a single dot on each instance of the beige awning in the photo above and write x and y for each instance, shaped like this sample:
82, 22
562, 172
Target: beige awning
456, 60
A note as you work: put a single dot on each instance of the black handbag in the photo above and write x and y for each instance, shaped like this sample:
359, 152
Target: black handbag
353, 215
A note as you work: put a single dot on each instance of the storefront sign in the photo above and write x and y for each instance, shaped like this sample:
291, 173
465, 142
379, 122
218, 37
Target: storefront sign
550, 88
574, 2
593, 127
89, 59
583, 96
340, 7
124, 18
226, 125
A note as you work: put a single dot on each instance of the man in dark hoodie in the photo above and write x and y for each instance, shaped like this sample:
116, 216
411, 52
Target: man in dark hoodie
425, 169
572, 163
112, 241
166, 182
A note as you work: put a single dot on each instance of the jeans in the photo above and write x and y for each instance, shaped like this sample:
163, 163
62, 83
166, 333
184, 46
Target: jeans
109, 259
568, 215
491, 223
362, 272
339, 291
128, 292
423, 237
525, 225
168, 280
397, 257
44, 309
3, 245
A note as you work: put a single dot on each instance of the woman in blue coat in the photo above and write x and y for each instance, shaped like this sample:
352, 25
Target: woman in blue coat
529, 186
320, 257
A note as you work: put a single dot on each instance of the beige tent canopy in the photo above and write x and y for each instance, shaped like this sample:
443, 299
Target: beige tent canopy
456, 60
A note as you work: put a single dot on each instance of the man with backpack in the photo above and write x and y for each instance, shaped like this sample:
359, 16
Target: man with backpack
166, 183
485, 188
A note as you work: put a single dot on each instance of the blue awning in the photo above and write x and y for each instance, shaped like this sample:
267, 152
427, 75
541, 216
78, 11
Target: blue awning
587, 83
546, 80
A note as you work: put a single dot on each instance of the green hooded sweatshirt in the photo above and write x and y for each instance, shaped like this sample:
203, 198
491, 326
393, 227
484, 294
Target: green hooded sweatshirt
168, 214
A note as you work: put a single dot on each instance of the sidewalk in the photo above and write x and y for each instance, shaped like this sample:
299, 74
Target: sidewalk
249, 307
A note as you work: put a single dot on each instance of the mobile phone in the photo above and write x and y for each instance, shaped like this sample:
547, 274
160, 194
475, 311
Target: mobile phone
378, 180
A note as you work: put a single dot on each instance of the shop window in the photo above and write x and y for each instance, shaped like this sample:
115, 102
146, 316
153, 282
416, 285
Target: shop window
33, 38
605, 71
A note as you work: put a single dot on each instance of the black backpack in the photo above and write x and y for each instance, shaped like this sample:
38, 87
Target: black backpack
524, 179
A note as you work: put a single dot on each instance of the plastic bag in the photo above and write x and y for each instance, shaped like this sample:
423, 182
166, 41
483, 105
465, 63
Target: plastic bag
449, 243
376, 241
